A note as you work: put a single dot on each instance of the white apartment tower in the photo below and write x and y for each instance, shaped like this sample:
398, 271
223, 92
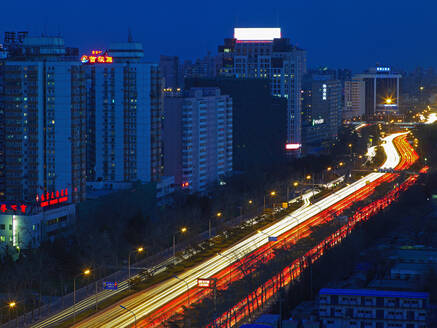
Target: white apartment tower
354, 99
198, 138
42, 104
124, 116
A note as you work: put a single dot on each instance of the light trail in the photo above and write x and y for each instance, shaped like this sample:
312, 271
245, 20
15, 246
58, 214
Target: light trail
146, 302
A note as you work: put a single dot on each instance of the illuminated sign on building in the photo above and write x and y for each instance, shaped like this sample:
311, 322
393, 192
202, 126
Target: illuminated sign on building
206, 283
53, 197
383, 69
257, 34
318, 121
324, 91
14, 208
292, 146
96, 57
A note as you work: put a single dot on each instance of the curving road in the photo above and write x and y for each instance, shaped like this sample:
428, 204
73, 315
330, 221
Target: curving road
150, 300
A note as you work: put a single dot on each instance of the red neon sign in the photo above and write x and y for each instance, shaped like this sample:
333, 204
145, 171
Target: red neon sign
15, 208
96, 56
53, 197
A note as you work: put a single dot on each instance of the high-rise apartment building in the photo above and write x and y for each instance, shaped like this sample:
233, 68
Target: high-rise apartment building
381, 91
124, 116
263, 53
198, 137
354, 99
42, 106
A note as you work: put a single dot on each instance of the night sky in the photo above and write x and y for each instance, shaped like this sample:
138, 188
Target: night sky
338, 33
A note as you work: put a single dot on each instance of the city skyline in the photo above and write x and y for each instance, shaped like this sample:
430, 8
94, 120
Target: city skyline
336, 34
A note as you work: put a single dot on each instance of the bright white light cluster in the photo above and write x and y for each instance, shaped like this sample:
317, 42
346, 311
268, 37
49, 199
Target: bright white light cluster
257, 34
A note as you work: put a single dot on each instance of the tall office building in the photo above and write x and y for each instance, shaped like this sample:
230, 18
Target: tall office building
124, 116
204, 68
198, 137
354, 99
172, 71
253, 132
321, 114
263, 53
381, 91
42, 106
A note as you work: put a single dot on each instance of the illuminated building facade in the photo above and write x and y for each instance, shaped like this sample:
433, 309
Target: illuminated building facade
198, 138
124, 118
43, 105
381, 91
263, 53
321, 107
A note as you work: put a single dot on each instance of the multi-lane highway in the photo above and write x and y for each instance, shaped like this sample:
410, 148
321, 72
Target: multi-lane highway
150, 300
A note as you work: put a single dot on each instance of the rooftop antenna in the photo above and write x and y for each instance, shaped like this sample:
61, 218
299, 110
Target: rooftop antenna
129, 35
277, 17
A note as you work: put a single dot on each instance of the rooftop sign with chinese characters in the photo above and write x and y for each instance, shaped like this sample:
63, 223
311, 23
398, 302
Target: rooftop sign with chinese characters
96, 57
52, 198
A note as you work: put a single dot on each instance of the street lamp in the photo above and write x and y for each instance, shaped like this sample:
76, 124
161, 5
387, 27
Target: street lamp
272, 194
219, 214
183, 230
188, 288
250, 201
135, 317
138, 250
86, 272
11, 305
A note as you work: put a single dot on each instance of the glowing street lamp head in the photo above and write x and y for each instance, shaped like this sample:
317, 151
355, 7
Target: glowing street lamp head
250, 201
12, 304
219, 214
87, 272
184, 229
295, 183
140, 249
329, 168
273, 193
308, 177
388, 101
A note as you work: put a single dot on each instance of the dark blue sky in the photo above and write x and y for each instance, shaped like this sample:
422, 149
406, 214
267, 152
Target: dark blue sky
337, 33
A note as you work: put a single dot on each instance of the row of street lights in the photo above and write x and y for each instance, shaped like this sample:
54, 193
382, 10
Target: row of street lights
181, 231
